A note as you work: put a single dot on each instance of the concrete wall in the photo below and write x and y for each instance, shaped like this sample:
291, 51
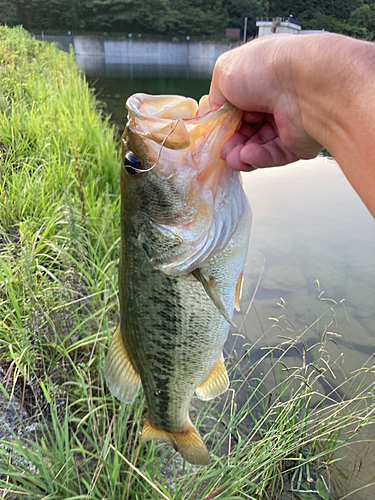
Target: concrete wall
95, 55
129, 51
264, 28
62, 41
312, 32
89, 45
206, 51
141, 52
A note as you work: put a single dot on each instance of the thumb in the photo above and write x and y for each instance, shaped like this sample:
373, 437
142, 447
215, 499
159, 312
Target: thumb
216, 97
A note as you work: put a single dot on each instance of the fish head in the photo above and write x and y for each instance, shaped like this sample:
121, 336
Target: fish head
183, 201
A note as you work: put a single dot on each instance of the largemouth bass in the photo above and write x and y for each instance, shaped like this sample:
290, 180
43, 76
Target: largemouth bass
185, 224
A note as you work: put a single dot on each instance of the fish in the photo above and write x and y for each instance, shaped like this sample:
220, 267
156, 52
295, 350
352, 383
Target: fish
185, 226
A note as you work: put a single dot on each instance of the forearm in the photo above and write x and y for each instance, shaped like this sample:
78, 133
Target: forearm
336, 94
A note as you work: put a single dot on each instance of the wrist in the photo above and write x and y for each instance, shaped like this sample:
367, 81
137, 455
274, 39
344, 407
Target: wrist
321, 83
332, 79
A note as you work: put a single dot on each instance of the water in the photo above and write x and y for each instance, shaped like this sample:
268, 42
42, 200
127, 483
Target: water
114, 83
309, 224
311, 234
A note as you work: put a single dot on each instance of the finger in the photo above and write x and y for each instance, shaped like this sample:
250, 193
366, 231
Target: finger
234, 161
270, 154
240, 137
265, 134
236, 139
253, 117
215, 96
248, 131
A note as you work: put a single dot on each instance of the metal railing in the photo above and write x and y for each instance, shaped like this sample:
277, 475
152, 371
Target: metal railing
289, 19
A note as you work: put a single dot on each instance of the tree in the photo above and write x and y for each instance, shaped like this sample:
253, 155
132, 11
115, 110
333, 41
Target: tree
239, 9
364, 18
196, 17
185, 17
8, 12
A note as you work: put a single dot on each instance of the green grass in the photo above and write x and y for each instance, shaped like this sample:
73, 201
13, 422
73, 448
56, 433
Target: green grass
59, 242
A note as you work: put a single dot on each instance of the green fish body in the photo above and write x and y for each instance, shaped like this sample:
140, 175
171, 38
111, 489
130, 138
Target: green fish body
185, 224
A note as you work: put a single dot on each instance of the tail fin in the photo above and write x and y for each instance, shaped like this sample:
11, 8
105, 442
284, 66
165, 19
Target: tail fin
186, 441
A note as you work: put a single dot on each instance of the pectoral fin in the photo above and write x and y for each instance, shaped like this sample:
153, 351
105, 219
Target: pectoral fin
186, 441
122, 379
216, 383
238, 292
214, 294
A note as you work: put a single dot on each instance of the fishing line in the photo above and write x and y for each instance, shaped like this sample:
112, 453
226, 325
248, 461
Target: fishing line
139, 170
173, 128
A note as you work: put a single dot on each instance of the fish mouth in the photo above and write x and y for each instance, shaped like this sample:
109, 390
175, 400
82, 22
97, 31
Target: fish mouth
172, 107
162, 107
161, 124
180, 141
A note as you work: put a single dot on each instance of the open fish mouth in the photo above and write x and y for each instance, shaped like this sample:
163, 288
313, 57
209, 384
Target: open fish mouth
180, 140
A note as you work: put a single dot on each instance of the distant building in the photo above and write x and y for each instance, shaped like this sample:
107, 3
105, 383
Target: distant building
312, 32
233, 33
269, 25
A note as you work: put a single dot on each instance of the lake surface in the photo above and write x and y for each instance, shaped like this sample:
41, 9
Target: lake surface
114, 83
311, 234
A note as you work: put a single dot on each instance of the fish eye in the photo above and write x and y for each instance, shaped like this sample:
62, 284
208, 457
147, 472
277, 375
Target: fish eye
132, 163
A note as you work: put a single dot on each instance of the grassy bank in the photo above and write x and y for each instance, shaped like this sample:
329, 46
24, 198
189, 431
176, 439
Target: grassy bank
276, 430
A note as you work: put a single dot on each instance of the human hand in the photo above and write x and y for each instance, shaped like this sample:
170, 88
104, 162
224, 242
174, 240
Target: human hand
259, 78
299, 93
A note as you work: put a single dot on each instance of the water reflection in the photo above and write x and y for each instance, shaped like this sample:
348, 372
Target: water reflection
99, 68
115, 82
309, 224
356, 472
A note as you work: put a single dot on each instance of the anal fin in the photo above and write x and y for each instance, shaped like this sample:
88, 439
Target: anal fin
186, 441
122, 379
216, 383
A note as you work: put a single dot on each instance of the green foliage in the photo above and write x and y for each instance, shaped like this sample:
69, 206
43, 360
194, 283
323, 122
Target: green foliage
148, 16
322, 488
179, 18
59, 192
239, 9
320, 21
8, 12
191, 17
364, 17
351, 17
301, 9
